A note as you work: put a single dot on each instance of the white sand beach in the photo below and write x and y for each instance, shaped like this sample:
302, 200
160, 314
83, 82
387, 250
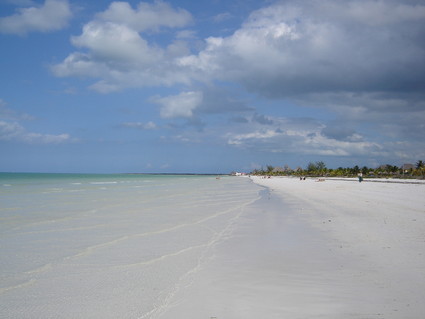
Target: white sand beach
200, 247
307, 249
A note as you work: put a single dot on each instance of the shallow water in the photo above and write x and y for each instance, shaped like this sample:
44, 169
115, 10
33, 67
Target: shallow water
109, 246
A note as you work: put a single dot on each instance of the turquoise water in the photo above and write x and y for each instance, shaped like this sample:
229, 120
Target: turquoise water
109, 246
29, 197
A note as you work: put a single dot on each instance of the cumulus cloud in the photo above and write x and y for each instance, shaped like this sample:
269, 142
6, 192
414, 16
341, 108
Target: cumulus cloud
358, 105
146, 16
301, 136
116, 53
222, 100
385, 114
321, 46
182, 105
116, 44
13, 131
360, 60
340, 132
191, 104
51, 16
288, 48
262, 119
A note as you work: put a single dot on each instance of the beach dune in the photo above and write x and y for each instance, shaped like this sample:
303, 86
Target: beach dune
335, 249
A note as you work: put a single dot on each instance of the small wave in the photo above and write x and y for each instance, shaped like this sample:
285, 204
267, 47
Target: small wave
102, 183
25, 284
53, 190
161, 258
61, 230
186, 279
39, 269
89, 250
7, 185
77, 191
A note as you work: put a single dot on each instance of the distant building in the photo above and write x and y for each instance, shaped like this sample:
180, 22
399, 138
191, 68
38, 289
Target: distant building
238, 174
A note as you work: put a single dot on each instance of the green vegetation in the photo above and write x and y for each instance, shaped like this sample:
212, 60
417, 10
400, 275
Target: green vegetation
319, 169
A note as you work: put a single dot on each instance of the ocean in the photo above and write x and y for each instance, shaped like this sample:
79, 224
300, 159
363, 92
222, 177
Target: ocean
109, 246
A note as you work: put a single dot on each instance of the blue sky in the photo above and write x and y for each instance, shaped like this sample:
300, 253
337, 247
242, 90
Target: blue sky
210, 86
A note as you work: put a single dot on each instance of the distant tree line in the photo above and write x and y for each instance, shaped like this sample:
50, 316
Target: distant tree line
319, 169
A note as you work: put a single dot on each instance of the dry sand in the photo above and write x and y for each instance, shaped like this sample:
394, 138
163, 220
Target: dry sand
307, 249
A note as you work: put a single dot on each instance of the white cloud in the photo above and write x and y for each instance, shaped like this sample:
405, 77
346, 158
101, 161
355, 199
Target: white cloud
51, 16
186, 34
362, 60
116, 45
181, 105
392, 116
302, 47
222, 17
300, 137
9, 114
378, 12
46, 138
140, 125
240, 139
282, 50
13, 131
299, 142
5, 112
117, 54
321, 145
21, 2
146, 16
10, 131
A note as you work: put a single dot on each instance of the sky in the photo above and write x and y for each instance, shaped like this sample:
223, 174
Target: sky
210, 86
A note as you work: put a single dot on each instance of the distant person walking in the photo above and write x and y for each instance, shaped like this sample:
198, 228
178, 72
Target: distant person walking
360, 176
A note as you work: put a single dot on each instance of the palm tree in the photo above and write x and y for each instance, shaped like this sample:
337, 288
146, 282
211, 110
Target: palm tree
311, 167
269, 169
321, 167
420, 168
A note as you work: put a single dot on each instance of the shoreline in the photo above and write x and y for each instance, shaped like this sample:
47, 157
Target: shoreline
163, 248
317, 250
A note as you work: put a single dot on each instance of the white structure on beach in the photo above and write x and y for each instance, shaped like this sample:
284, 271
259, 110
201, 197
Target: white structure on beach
238, 174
